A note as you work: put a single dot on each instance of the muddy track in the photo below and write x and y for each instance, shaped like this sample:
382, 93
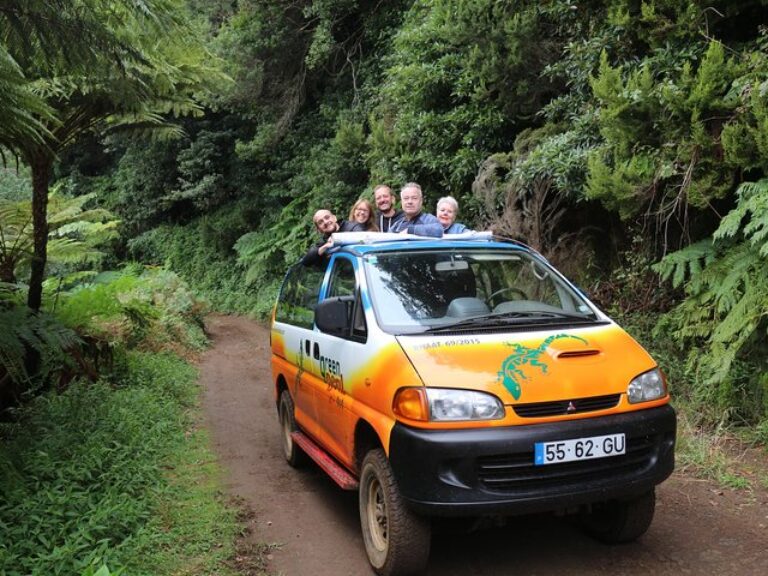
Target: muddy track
698, 529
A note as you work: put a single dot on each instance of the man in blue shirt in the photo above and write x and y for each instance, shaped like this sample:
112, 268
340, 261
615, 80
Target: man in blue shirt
416, 221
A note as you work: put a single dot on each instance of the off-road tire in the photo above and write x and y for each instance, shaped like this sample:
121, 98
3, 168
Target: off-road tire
396, 540
620, 521
294, 455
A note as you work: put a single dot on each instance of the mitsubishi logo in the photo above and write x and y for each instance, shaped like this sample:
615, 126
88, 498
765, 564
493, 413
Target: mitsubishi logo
571, 408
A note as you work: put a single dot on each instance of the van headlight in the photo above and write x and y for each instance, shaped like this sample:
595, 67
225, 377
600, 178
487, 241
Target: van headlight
647, 386
446, 405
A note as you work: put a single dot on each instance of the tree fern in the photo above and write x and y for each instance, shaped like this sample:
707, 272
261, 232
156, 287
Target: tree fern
687, 263
74, 232
726, 286
266, 253
22, 331
752, 204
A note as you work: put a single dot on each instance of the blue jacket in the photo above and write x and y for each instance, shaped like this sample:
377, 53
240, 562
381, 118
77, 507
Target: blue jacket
423, 225
456, 228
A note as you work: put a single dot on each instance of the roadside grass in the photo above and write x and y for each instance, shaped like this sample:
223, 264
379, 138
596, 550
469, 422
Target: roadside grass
714, 454
115, 478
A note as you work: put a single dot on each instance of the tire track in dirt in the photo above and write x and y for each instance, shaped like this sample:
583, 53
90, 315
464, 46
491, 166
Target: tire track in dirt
698, 529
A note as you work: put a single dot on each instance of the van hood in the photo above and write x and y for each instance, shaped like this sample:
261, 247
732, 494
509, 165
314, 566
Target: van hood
524, 367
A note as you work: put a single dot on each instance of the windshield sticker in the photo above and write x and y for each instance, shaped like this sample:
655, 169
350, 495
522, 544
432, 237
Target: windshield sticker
448, 343
511, 374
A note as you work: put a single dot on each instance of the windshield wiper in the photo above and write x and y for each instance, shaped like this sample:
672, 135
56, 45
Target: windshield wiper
507, 318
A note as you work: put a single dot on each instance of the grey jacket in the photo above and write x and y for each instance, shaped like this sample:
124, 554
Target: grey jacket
386, 223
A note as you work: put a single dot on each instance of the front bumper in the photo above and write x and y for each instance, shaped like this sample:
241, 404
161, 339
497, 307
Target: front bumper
490, 471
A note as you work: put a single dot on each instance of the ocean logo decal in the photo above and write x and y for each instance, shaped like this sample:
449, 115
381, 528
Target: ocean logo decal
511, 373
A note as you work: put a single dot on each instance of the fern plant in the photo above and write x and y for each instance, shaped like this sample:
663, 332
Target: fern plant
726, 287
22, 331
73, 233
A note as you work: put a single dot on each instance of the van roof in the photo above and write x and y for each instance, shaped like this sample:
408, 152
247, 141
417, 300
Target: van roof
363, 242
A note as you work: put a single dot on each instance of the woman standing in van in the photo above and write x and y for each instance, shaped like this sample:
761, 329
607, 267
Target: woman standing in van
447, 210
362, 213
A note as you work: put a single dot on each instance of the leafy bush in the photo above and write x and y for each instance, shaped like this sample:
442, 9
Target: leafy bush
723, 315
460, 81
24, 334
137, 307
201, 253
15, 185
87, 473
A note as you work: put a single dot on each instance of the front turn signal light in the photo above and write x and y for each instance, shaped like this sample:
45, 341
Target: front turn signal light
411, 403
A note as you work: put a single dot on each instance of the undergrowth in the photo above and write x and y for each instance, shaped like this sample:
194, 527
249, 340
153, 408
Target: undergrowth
116, 474
138, 307
712, 417
206, 261
706, 432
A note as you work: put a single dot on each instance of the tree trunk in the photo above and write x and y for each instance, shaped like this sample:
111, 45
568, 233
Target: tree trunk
41, 165
7, 273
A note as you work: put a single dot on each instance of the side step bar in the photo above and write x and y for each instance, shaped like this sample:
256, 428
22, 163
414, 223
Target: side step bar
338, 474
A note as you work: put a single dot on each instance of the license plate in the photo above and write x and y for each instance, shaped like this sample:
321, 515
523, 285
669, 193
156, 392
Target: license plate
579, 449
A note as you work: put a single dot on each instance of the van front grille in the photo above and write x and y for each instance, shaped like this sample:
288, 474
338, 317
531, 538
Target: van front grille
517, 472
563, 407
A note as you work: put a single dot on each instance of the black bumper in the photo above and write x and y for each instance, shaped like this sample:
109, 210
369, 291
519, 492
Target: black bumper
490, 471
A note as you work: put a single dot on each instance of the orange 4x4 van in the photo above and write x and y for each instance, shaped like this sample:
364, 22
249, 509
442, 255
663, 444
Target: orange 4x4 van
465, 376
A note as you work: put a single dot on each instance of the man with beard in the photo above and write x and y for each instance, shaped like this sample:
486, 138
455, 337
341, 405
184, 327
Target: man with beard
326, 224
387, 215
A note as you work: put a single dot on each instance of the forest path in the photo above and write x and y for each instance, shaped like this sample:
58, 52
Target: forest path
699, 528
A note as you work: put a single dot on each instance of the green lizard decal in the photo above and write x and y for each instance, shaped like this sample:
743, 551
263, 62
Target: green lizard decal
511, 372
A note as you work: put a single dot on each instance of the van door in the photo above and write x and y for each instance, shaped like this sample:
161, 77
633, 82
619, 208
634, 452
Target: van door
334, 360
294, 323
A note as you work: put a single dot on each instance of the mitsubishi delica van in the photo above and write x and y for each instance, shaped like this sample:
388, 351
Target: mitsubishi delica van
465, 377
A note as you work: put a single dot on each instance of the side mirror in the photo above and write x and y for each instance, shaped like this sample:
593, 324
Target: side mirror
334, 315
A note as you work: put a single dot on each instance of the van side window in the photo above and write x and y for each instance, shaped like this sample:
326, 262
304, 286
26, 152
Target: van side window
343, 283
298, 296
342, 279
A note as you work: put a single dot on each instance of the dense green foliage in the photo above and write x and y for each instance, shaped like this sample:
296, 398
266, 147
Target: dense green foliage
625, 140
86, 66
725, 308
108, 474
87, 321
587, 129
22, 331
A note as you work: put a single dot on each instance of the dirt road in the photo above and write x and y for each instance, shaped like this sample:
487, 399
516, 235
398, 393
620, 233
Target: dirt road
698, 529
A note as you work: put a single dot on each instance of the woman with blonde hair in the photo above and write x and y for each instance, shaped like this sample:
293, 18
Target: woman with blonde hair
362, 213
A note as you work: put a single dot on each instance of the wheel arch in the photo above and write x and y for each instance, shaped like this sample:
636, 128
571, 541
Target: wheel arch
366, 439
280, 385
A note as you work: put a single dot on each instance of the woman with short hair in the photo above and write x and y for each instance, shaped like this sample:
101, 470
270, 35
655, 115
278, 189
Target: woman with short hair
447, 210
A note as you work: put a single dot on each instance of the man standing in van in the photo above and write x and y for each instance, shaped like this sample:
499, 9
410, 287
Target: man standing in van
387, 215
416, 221
326, 224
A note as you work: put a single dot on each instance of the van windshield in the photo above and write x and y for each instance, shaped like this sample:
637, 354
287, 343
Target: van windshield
467, 289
